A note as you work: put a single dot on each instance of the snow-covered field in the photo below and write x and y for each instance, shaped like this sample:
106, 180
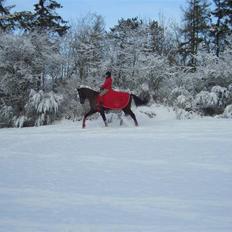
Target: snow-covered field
166, 175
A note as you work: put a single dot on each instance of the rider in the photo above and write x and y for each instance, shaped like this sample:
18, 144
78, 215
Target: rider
107, 85
104, 89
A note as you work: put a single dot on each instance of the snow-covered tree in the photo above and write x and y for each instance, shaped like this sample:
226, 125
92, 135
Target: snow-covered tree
25, 61
42, 108
87, 45
17, 57
126, 41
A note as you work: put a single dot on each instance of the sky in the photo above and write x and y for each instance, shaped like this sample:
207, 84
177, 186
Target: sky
113, 10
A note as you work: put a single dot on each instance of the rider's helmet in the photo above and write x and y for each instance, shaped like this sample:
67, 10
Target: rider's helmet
108, 74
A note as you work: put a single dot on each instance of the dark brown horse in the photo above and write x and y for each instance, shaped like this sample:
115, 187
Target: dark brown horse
91, 96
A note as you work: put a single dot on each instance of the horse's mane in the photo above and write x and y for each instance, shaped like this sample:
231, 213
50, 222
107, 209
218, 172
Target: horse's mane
88, 89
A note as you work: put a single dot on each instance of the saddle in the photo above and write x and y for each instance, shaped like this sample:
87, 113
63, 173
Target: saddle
115, 100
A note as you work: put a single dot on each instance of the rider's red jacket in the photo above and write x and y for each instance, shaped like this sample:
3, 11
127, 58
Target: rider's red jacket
113, 99
107, 84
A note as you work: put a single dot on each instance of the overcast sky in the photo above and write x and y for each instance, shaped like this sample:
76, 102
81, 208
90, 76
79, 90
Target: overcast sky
112, 10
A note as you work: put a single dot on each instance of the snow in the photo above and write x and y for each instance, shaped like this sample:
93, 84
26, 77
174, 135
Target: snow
165, 175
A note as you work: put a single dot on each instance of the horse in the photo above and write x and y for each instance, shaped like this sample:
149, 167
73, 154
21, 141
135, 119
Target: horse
92, 95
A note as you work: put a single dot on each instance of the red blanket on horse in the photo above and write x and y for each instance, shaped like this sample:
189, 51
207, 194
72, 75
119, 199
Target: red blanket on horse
114, 100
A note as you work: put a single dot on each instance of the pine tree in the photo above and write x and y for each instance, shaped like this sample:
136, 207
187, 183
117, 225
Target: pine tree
157, 37
223, 26
196, 17
6, 22
228, 14
46, 19
17, 20
23, 20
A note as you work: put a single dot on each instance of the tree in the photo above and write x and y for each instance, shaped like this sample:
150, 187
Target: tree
46, 19
222, 29
196, 18
17, 20
126, 39
228, 14
6, 22
16, 73
25, 61
87, 48
157, 37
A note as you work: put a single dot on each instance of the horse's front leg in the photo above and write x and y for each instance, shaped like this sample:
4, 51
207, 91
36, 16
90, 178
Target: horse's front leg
87, 115
102, 112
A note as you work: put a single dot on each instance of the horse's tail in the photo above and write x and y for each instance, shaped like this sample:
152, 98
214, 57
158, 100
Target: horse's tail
138, 101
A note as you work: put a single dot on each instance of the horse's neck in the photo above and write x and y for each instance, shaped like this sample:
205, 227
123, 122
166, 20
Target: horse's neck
91, 93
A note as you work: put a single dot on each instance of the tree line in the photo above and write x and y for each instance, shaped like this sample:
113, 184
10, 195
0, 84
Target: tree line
43, 58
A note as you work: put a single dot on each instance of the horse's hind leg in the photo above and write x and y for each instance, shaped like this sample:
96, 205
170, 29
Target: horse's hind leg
87, 115
120, 118
130, 112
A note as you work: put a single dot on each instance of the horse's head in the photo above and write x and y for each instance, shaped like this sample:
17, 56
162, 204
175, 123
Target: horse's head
87, 93
81, 95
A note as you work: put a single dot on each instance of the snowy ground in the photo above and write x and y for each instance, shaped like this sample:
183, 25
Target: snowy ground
165, 176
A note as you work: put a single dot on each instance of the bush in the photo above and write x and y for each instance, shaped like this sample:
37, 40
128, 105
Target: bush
214, 102
182, 114
206, 103
176, 92
184, 102
223, 95
6, 116
42, 108
228, 112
